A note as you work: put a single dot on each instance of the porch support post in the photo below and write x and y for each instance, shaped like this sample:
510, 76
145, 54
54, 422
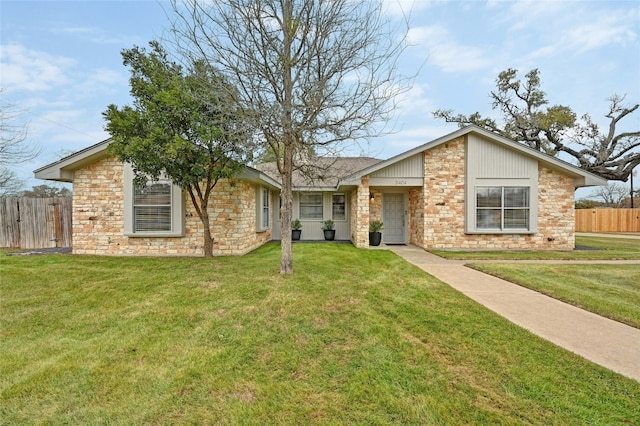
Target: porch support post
361, 239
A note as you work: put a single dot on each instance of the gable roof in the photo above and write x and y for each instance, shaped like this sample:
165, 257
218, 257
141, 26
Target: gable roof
581, 177
330, 173
62, 170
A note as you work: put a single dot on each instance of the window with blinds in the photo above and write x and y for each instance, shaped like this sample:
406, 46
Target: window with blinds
152, 207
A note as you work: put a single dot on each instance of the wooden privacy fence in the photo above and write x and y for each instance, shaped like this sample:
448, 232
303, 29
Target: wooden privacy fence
35, 222
608, 220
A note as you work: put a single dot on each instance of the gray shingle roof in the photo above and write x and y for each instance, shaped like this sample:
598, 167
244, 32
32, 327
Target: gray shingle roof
321, 171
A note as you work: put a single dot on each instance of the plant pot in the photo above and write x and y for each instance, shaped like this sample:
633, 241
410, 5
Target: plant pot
375, 238
295, 234
329, 234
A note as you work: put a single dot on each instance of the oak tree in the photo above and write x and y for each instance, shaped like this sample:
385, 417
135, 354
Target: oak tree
527, 118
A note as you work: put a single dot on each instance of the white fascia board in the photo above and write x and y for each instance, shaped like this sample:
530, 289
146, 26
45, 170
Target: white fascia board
249, 173
354, 179
62, 170
581, 177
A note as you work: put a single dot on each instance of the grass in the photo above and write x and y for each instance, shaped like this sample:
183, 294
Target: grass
612, 291
353, 337
607, 249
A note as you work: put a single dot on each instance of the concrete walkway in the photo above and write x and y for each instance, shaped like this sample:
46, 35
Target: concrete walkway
608, 343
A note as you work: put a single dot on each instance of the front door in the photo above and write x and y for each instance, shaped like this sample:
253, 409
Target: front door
393, 217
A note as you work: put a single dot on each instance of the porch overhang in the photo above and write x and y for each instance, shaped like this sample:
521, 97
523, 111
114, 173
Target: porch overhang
396, 182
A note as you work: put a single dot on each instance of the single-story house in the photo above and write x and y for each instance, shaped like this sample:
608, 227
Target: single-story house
470, 189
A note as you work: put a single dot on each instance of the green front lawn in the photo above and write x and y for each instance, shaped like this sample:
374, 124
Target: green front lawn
353, 337
600, 248
612, 291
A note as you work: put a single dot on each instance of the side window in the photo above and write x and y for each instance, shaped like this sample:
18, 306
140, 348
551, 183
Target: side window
263, 209
338, 207
154, 209
311, 206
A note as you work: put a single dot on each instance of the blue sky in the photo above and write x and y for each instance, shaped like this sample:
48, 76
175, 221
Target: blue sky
60, 62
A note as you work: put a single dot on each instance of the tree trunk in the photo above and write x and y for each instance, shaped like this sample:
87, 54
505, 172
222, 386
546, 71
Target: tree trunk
286, 253
286, 257
208, 239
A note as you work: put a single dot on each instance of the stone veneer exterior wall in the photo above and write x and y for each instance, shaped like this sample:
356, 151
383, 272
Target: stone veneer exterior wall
375, 205
416, 217
360, 214
556, 210
444, 212
98, 222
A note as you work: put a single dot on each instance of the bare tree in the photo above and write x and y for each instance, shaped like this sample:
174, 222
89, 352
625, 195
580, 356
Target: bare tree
14, 148
312, 74
613, 194
554, 129
609, 154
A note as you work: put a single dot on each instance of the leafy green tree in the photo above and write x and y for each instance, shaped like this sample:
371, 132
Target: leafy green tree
587, 203
47, 191
185, 125
312, 75
526, 118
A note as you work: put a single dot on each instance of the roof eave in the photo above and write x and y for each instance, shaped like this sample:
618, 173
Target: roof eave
62, 170
254, 175
582, 177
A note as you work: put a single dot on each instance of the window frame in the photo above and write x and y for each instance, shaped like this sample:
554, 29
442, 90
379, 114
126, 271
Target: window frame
129, 205
502, 208
502, 228
321, 205
154, 204
344, 204
263, 195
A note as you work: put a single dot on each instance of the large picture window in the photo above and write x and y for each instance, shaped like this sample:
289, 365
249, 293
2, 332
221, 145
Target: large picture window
311, 206
502, 208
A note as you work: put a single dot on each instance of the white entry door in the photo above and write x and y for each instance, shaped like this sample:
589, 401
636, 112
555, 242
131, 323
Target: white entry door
393, 218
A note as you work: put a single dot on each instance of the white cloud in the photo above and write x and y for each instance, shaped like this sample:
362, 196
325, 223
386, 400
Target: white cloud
443, 51
569, 27
415, 101
412, 137
606, 29
405, 8
103, 80
29, 70
534, 14
95, 35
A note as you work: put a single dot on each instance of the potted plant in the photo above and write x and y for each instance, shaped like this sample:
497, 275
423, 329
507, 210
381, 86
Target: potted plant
296, 230
375, 236
327, 228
